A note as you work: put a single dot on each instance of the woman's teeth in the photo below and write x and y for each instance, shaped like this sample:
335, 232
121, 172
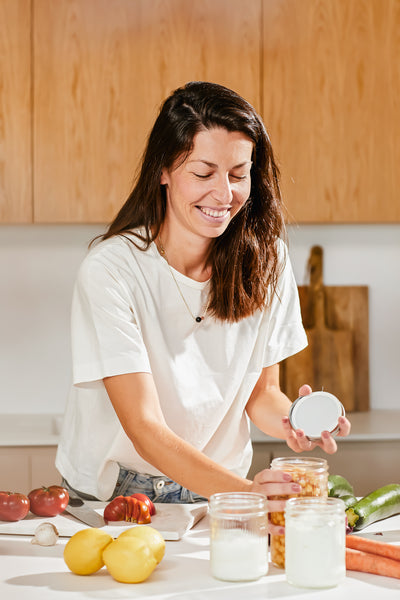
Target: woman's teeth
213, 213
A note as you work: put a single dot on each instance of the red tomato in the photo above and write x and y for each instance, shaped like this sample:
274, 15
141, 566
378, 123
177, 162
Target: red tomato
13, 506
147, 500
116, 509
48, 501
126, 508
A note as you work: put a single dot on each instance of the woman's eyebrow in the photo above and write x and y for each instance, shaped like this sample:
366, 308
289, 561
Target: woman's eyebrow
210, 164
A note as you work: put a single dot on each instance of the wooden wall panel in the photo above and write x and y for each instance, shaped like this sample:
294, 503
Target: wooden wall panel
15, 112
331, 101
101, 70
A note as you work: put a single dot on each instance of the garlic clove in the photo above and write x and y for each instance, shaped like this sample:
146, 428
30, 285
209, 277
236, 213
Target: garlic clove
45, 535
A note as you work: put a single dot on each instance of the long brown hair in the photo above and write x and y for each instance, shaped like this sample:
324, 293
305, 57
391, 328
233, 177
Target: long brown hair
244, 259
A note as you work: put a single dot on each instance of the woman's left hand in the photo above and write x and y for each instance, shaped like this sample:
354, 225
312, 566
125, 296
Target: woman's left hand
299, 442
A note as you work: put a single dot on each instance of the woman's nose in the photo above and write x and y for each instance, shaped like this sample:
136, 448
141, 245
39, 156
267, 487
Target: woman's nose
223, 190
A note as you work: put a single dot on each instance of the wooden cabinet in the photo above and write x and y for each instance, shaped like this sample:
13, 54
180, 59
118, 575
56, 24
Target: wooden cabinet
331, 88
24, 468
81, 82
101, 71
15, 112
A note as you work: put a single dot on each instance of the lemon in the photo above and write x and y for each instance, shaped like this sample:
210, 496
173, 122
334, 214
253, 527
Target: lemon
129, 560
83, 553
150, 536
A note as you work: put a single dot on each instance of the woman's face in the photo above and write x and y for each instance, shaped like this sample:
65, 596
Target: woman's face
209, 188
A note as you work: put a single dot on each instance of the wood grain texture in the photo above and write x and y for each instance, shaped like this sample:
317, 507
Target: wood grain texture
346, 309
15, 112
331, 101
101, 71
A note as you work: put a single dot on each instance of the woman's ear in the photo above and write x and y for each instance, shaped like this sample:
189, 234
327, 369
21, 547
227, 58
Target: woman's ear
164, 177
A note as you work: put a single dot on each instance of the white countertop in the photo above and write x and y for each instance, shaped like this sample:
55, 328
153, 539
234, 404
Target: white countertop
43, 430
371, 426
38, 573
30, 430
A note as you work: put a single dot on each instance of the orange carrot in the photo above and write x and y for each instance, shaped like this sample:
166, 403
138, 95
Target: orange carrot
373, 546
356, 560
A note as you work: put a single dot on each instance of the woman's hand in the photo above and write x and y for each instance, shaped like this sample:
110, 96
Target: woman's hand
299, 442
273, 483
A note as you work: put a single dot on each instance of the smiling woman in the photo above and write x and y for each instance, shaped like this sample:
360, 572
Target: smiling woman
181, 315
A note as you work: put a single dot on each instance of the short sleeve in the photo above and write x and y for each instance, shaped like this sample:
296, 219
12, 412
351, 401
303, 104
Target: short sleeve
286, 335
106, 338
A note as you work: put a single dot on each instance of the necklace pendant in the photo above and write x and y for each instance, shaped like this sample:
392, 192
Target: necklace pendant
198, 319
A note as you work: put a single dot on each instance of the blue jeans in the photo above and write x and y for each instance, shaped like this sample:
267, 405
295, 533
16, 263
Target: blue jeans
157, 487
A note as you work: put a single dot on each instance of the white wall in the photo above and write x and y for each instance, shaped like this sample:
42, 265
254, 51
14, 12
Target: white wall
38, 266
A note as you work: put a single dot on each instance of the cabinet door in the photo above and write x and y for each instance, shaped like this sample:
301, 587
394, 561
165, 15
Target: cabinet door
15, 469
15, 112
331, 90
101, 71
43, 470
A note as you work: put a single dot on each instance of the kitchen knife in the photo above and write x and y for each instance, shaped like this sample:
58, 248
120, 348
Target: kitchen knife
78, 509
381, 536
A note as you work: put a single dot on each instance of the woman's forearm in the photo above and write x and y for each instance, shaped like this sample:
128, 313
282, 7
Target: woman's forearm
183, 463
267, 404
158, 445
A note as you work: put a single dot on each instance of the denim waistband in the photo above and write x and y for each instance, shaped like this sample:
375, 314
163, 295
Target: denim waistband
157, 487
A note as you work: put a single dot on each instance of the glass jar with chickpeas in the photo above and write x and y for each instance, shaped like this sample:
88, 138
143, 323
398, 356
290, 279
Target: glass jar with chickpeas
312, 476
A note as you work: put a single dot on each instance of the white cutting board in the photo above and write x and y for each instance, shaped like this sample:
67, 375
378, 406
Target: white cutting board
171, 520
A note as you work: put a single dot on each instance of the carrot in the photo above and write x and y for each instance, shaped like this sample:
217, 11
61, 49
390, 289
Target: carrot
373, 546
356, 560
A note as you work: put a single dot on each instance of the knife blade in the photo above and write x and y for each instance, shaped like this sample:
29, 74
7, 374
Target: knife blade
381, 536
78, 509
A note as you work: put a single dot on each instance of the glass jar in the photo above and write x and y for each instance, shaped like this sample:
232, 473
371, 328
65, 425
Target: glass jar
315, 542
239, 536
312, 476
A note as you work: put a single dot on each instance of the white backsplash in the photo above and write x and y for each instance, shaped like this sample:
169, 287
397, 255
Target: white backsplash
38, 265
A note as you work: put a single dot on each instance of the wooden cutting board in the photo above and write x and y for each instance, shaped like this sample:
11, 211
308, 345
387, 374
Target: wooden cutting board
337, 357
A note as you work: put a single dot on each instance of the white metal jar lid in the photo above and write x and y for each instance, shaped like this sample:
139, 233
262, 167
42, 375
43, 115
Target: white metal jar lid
316, 412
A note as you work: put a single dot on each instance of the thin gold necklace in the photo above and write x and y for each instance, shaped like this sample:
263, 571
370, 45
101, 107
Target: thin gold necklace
199, 318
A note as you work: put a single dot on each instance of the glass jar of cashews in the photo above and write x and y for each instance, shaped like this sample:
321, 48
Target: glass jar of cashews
312, 476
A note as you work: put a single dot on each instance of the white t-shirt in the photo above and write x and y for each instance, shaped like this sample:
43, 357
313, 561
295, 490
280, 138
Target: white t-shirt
128, 316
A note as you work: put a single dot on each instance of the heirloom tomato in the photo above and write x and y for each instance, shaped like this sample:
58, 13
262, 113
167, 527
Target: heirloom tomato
13, 506
48, 501
147, 500
126, 508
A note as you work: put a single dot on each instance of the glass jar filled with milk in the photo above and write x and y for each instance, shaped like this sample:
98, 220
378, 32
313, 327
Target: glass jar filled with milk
315, 542
239, 536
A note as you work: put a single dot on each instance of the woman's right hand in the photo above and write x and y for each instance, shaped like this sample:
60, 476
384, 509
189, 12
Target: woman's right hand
272, 483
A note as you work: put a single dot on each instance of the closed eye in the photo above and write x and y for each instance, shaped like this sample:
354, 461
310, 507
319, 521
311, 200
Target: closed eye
236, 177
202, 176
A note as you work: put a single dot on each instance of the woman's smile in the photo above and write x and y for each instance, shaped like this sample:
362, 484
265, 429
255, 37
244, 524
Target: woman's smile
214, 214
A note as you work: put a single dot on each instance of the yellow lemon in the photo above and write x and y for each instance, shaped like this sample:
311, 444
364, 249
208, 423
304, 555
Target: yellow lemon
83, 553
150, 536
129, 560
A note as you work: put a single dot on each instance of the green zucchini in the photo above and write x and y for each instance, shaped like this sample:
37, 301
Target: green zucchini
338, 486
349, 500
380, 504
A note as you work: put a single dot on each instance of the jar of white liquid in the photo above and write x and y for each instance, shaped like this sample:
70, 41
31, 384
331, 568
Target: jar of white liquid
239, 536
315, 536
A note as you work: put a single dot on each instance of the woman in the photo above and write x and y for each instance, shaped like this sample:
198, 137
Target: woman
181, 315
